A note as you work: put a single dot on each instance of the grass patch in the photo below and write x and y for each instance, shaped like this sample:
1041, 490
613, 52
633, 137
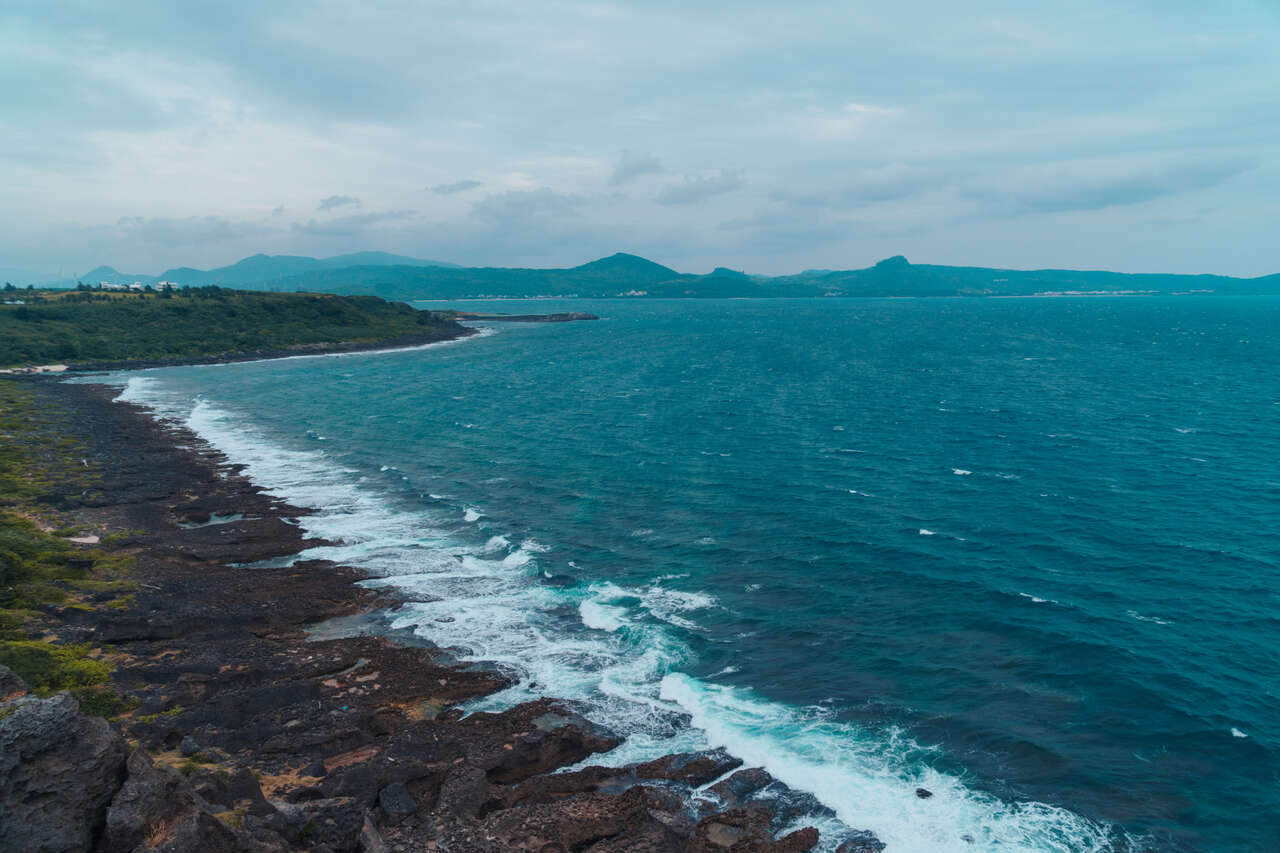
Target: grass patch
46, 667
117, 536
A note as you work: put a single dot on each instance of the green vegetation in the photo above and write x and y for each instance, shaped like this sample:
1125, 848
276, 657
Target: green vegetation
95, 326
38, 567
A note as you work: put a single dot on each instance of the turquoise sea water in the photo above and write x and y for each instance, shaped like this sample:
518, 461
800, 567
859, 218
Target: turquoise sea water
1023, 553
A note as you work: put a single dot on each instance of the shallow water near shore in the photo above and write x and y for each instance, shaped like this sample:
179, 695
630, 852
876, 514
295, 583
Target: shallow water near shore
1022, 553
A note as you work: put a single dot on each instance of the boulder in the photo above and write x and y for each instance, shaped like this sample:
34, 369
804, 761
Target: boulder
396, 803
748, 829
370, 840
573, 824
741, 785
11, 686
239, 790
150, 799
59, 769
196, 831
336, 822
555, 741
359, 781
695, 768
861, 841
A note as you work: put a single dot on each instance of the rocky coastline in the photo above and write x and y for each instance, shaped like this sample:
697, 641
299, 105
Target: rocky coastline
255, 730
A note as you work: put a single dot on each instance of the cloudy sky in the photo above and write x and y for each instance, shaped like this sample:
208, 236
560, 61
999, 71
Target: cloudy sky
1137, 135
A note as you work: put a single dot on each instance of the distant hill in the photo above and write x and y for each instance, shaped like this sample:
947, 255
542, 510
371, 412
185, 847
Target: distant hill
257, 272
263, 270
616, 275
630, 275
896, 277
621, 266
404, 278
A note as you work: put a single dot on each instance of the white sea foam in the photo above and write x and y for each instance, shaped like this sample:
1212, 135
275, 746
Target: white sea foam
602, 617
924, 532
869, 779
960, 472
1133, 614
1237, 733
472, 514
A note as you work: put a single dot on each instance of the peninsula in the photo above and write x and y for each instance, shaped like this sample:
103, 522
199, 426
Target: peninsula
104, 330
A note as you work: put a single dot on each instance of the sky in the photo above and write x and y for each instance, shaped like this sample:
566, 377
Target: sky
769, 137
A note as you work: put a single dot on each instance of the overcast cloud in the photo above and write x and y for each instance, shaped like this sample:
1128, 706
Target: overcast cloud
1136, 135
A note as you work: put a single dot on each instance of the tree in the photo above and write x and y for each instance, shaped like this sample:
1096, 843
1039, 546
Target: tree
8, 286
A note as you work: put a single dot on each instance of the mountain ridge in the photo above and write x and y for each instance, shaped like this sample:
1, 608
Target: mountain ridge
622, 274
257, 269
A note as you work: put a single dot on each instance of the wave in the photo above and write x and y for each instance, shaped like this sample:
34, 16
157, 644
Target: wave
869, 779
624, 656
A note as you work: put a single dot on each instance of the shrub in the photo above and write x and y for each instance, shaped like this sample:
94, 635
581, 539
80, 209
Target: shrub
47, 668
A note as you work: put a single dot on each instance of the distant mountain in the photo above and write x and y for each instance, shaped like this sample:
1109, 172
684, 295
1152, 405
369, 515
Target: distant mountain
404, 278
257, 272
263, 269
629, 275
620, 274
896, 277
113, 276
725, 272
622, 266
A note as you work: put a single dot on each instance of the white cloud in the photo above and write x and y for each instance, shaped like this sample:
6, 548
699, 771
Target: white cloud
695, 188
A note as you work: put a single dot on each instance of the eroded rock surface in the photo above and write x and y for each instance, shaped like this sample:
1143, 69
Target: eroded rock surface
59, 770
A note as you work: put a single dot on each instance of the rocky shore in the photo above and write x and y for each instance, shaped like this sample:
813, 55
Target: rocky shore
253, 731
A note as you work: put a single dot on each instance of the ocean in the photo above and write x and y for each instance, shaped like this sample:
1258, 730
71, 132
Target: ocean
1020, 552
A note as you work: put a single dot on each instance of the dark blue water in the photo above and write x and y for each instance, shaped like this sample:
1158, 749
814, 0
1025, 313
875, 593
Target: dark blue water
1021, 552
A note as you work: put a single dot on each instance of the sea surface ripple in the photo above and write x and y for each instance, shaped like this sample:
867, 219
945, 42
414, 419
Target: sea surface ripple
1022, 553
